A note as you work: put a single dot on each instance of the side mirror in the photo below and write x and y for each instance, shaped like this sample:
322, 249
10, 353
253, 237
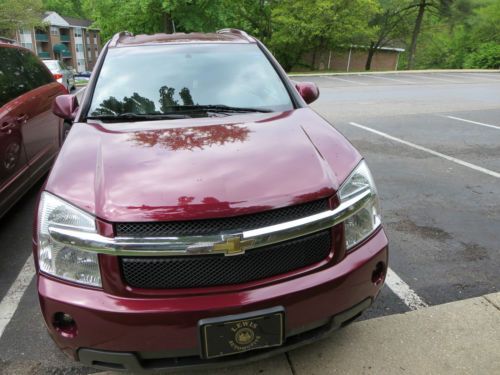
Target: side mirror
65, 107
308, 90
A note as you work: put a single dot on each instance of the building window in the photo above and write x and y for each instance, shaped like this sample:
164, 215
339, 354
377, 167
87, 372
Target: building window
54, 30
81, 65
78, 32
27, 45
79, 47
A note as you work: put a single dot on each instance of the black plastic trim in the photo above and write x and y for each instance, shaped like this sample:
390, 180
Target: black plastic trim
130, 361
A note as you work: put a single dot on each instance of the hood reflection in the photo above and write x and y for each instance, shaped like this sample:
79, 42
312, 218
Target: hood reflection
191, 138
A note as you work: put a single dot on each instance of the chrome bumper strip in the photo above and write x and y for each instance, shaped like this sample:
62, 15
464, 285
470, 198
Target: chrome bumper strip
227, 244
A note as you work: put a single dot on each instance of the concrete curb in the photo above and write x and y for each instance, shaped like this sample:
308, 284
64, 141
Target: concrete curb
319, 74
455, 338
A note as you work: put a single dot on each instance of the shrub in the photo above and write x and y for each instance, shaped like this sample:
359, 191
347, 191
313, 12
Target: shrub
486, 56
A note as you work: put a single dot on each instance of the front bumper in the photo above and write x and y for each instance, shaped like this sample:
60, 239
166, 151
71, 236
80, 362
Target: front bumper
138, 334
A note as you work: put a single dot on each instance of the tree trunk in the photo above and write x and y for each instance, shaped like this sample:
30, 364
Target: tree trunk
168, 24
315, 51
416, 31
371, 52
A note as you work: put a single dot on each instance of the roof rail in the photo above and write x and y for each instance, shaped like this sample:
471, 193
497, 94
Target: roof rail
7, 40
237, 32
117, 36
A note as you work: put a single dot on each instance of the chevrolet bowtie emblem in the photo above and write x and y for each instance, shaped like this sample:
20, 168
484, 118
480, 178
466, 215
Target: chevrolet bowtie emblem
232, 246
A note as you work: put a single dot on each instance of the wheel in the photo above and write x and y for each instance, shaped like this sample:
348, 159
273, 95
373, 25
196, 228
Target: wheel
11, 155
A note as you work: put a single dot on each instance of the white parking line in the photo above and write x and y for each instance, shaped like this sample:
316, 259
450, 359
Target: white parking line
403, 291
425, 149
463, 75
389, 79
11, 300
434, 78
475, 122
488, 76
347, 80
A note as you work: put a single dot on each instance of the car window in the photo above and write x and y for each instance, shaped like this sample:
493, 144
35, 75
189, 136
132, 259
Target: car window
13, 78
157, 79
36, 73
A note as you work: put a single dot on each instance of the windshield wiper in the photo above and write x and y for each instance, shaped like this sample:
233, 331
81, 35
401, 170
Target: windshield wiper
129, 116
218, 108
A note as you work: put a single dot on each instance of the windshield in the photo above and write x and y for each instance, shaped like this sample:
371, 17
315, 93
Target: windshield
166, 79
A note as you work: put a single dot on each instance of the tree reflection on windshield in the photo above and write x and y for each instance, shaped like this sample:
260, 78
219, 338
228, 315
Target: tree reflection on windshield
141, 105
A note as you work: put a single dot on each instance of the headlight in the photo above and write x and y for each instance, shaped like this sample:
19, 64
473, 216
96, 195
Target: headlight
64, 261
367, 219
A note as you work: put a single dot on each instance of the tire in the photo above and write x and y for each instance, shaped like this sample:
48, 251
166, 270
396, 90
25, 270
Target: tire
11, 155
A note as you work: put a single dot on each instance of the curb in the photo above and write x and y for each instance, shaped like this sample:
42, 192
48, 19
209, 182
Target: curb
319, 74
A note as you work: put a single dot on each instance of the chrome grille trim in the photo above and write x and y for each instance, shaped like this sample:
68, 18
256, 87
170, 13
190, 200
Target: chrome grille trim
200, 245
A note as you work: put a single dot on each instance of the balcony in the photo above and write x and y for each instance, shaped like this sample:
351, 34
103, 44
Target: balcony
43, 55
64, 38
41, 37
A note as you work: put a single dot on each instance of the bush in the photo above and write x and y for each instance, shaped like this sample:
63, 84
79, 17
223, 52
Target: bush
487, 56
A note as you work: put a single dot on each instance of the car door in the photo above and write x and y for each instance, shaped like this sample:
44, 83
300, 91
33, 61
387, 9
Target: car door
13, 106
42, 129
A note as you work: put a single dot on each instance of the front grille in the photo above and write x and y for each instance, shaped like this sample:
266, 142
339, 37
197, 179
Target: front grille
216, 226
171, 272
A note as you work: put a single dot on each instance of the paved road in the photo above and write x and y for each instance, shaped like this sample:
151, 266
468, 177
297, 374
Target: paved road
433, 143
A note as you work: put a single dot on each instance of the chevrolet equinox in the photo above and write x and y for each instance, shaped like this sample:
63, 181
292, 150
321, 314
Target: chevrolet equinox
199, 213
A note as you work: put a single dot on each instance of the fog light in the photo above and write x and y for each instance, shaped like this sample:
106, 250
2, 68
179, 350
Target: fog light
378, 274
64, 324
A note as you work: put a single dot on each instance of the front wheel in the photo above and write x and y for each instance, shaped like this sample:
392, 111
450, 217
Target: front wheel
11, 155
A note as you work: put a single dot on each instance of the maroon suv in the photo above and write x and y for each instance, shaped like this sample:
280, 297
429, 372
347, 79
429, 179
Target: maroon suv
199, 213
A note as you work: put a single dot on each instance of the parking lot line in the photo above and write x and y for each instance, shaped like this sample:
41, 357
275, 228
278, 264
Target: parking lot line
11, 300
403, 291
434, 78
429, 151
474, 122
348, 80
488, 76
390, 79
463, 75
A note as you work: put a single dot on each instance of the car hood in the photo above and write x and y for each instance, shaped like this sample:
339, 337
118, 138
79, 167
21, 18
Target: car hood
201, 168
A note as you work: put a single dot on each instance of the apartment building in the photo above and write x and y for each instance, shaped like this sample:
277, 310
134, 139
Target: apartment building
71, 40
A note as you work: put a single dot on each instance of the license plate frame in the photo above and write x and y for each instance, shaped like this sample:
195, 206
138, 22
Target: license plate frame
234, 334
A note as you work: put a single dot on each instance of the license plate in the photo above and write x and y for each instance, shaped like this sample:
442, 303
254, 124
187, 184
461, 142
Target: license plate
241, 333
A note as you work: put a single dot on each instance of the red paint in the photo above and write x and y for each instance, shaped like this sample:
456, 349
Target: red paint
308, 90
200, 168
65, 107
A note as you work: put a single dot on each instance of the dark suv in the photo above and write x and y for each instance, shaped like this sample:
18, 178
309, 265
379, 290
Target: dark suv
200, 213
29, 131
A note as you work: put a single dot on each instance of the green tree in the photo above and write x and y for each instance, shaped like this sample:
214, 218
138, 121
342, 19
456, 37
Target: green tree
310, 25
69, 8
18, 14
423, 6
391, 24
137, 16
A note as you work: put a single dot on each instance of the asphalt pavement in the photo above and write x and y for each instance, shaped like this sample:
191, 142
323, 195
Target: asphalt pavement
432, 141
